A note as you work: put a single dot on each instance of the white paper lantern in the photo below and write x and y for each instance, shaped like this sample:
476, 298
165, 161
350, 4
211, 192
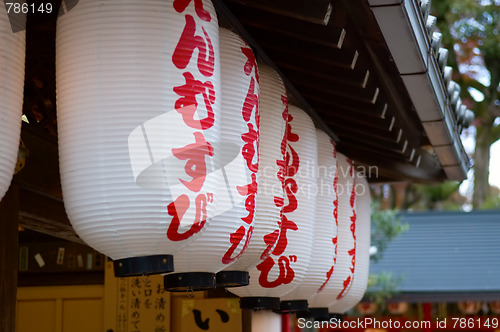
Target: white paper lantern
12, 55
341, 280
270, 194
299, 212
324, 257
286, 266
138, 86
355, 291
229, 231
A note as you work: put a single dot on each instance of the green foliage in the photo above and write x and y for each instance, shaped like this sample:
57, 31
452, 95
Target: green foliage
493, 201
442, 196
382, 287
471, 28
386, 225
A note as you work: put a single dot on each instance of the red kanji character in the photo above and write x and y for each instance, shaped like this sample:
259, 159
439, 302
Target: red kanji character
278, 201
285, 276
346, 284
181, 5
251, 102
196, 166
250, 190
270, 241
251, 63
178, 208
187, 105
188, 42
235, 240
328, 276
285, 225
250, 148
291, 188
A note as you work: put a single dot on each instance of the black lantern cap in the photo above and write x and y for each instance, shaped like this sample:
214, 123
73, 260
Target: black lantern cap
189, 281
260, 303
319, 314
293, 306
225, 279
338, 317
145, 265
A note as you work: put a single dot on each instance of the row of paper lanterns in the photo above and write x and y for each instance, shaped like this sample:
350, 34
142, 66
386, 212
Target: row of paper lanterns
177, 146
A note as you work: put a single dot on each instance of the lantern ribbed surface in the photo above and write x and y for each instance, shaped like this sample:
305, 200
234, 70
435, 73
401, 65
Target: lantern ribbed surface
286, 266
363, 215
138, 91
325, 226
12, 55
341, 280
270, 177
230, 229
300, 207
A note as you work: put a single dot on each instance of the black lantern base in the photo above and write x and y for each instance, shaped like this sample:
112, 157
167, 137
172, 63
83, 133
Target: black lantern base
226, 279
189, 281
260, 303
319, 314
145, 265
337, 317
293, 306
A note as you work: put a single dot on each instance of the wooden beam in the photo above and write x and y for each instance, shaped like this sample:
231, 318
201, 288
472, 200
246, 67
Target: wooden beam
45, 214
314, 11
330, 35
329, 78
9, 249
41, 206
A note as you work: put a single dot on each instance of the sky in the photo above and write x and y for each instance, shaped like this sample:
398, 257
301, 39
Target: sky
466, 188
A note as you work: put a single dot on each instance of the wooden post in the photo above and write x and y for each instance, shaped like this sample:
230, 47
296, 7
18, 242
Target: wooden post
9, 251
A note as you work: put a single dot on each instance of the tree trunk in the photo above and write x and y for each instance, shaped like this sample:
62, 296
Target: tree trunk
482, 164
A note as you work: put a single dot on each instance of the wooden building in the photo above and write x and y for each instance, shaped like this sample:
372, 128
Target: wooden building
368, 72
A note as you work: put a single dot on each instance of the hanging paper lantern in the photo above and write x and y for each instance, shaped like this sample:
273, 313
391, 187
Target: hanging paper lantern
229, 231
324, 258
360, 228
397, 308
494, 307
299, 214
270, 194
12, 54
367, 308
139, 117
286, 266
341, 281
469, 307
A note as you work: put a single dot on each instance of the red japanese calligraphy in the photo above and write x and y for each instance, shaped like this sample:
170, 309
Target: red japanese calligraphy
270, 241
328, 276
285, 225
187, 105
291, 189
188, 42
177, 210
251, 102
250, 190
335, 203
349, 280
281, 162
251, 63
181, 5
196, 166
235, 240
285, 276
250, 147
